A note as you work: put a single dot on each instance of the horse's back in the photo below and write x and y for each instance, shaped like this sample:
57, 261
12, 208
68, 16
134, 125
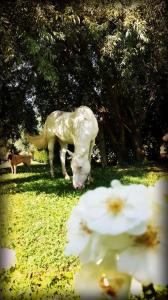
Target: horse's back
51, 119
86, 117
59, 125
85, 111
64, 125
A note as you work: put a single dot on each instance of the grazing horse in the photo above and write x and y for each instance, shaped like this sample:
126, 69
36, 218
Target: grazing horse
16, 159
78, 128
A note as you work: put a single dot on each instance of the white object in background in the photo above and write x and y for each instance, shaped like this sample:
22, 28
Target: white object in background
7, 258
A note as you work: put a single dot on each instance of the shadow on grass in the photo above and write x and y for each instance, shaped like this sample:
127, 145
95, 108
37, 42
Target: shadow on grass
39, 180
106, 175
36, 168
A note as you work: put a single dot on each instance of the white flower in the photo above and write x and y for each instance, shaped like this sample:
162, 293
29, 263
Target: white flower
136, 288
7, 258
116, 210
139, 229
119, 234
79, 233
159, 192
146, 261
102, 282
86, 283
99, 245
158, 196
162, 187
115, 183
86, 243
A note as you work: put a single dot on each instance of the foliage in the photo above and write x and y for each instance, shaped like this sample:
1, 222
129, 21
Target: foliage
110, 55
33, 219
40, 156
21, 145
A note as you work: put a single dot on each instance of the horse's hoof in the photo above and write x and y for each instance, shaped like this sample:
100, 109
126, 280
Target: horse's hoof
67, 177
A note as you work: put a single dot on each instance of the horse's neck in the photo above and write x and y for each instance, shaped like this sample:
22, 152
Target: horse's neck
84, 129
81, 150
82, 142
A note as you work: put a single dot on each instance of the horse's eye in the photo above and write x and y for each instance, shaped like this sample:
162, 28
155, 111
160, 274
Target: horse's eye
79, 168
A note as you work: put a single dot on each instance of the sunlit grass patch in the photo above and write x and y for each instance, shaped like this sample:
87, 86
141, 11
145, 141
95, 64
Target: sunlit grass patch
33, 216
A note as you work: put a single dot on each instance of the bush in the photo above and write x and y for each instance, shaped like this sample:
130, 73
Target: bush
41, 156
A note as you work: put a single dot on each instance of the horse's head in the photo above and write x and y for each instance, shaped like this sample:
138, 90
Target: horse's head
80, 166
9, 157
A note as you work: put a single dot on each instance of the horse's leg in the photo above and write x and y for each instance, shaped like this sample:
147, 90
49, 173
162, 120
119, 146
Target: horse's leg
92, 143
14, 169
51, 155
62, 159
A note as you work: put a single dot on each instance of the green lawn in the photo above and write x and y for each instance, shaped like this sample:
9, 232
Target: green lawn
34, 211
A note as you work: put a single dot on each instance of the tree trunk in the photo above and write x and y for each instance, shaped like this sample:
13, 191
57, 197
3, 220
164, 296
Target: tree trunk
137, 145
102, 145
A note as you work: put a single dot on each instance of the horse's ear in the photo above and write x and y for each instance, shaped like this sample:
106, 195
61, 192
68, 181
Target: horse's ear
70, 154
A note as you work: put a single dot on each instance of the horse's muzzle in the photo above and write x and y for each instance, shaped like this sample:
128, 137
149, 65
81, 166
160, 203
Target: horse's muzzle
78, 186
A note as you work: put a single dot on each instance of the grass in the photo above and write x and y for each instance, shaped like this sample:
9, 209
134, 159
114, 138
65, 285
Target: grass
33, 216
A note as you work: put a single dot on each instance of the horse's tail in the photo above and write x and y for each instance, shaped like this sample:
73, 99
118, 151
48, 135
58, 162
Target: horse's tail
40, 141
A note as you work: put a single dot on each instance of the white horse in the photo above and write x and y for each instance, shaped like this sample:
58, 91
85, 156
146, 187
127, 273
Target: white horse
79, 128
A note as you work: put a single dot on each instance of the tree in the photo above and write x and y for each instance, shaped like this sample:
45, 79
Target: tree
111, 56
